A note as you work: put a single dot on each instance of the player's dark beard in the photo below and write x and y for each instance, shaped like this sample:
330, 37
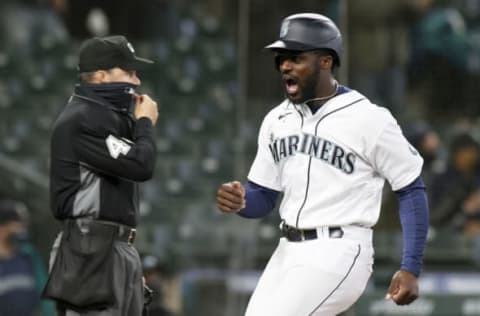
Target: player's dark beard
307, 88
310, 90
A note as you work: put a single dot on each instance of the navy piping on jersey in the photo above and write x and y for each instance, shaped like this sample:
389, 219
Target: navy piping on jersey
310, 159
340, 283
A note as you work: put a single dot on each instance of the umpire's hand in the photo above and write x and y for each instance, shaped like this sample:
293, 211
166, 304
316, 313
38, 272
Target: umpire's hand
146, 107
404, 288
231, 197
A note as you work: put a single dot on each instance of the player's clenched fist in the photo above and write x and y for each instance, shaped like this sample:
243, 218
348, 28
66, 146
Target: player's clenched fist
231, 197
403, 288
146, 107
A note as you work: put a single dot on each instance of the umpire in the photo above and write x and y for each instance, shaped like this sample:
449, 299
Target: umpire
102, 145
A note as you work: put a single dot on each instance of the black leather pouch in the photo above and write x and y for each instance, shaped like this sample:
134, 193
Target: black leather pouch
82, 273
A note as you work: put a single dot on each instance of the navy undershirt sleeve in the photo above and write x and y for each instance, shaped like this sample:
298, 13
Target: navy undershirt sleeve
260, 201
413, 206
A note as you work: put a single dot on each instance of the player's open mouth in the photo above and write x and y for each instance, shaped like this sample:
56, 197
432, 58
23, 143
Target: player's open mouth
291, 85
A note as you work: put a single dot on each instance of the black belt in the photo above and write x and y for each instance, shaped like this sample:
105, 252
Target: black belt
295, 234
123, 233
127, 234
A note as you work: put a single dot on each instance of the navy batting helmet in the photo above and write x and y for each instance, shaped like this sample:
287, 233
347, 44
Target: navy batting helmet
309, 31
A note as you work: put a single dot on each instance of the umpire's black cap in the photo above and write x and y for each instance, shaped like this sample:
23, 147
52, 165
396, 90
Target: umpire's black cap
309, 31
103, 53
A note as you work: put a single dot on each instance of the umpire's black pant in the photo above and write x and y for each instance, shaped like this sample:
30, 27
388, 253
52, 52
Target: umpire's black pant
127, 278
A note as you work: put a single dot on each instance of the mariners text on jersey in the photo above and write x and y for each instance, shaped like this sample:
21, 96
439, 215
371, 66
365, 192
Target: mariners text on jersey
315, 147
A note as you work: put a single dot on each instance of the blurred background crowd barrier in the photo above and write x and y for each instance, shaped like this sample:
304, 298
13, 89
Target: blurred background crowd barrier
214, 84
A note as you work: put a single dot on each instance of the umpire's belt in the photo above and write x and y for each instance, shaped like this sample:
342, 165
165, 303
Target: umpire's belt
127, 234
295, 234
123, 232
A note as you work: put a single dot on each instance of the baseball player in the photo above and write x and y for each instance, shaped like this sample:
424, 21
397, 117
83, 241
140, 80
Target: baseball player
329, 150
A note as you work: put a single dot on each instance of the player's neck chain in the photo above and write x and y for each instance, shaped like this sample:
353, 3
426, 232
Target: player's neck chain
335, 91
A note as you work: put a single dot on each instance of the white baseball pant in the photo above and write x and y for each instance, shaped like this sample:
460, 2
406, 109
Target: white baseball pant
319, 277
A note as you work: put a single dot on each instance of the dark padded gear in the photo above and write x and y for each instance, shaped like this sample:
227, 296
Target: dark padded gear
309, 31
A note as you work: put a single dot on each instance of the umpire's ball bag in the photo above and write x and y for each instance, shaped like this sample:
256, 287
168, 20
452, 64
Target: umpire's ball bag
82, 274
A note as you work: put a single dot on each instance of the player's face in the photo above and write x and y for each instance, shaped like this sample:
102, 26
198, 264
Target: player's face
300, 74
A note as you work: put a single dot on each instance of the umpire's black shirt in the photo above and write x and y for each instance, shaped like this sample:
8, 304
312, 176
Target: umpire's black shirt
98, 154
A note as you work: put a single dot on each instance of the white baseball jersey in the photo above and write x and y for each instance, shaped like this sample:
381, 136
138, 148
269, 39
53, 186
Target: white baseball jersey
332, 165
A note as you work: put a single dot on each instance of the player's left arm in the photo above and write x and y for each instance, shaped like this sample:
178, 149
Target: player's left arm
413, 205
401, 164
